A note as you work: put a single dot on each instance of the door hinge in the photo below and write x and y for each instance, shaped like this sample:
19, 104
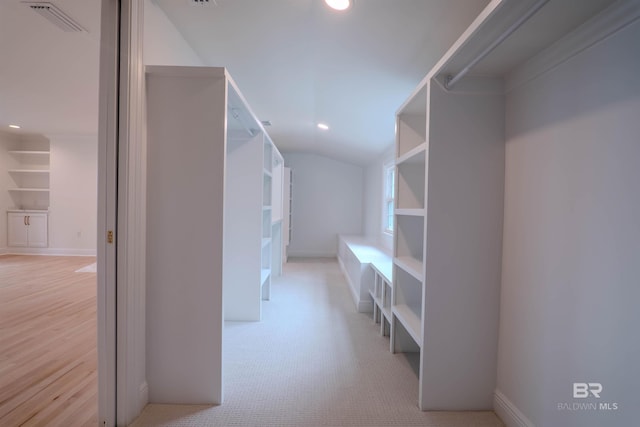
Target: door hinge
110, 236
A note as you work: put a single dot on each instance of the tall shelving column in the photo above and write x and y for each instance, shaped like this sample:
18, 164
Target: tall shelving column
463, 243
407, 297
265, 260
447, 252
277, 212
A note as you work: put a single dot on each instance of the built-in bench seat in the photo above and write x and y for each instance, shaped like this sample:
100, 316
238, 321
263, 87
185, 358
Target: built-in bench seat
368, 270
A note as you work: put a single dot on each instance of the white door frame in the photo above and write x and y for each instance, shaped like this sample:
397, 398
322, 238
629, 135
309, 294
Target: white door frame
107, 182
121, 210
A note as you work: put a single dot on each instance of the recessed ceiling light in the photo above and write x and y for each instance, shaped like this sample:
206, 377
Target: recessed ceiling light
339, 4
323, 126
14, 126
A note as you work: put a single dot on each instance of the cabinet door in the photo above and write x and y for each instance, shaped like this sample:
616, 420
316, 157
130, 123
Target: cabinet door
37, 230
17, 230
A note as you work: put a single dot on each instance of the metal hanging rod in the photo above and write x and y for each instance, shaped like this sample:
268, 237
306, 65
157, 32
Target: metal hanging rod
452, 80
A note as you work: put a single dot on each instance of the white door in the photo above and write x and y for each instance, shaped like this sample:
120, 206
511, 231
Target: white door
37, 226
17, 230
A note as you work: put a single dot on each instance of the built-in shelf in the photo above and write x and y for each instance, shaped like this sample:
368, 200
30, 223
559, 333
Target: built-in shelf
43, 190
380, 303
264, 275
267, 173
415, 155
411, 266
43, 171
29, 176
409, 212
265, 241
266, 208
411, 185
30, 152
410, 320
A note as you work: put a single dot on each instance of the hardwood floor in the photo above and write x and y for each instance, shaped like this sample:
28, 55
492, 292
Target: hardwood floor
48, 356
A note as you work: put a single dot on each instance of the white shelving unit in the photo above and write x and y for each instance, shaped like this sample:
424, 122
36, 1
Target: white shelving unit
30, 176
277, 212
286, 214
447, 249
224, 157
450, 159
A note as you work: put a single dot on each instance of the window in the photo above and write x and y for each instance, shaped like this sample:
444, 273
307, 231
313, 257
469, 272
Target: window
389, 173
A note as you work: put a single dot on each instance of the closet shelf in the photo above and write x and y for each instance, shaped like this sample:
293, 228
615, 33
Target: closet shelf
415, 155
410, 321
28, 170
44, 190
380, 303
411, 266
264, 275
410, 212
40, 153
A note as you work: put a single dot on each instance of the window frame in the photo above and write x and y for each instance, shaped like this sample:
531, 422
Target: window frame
388, 196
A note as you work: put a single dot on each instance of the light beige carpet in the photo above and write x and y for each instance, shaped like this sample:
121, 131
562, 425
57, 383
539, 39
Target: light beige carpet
312, 361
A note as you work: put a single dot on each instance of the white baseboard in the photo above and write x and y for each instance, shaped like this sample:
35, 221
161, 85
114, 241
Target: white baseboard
143, 397
508, 412
50, 251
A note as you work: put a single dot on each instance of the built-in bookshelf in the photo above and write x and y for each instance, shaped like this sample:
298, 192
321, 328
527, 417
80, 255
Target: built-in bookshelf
30, 176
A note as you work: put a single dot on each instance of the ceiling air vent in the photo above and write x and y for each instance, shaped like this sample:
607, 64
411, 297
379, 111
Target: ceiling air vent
204, 2
266, 123
55, 16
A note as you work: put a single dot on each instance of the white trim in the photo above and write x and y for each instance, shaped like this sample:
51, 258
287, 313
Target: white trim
384, 221
144, 392
131, 234
107, 202
508, 412
605, 24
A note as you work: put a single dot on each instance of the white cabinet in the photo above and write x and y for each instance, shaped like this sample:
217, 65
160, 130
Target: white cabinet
27, 229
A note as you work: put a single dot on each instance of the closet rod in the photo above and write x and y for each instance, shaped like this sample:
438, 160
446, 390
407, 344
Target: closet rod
452, 80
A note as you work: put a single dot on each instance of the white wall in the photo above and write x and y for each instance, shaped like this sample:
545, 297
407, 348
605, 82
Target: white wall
163, 44
327, 201
73, 182
571, 263
373, 200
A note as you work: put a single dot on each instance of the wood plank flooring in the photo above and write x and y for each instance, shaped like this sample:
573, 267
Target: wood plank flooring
48, 356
